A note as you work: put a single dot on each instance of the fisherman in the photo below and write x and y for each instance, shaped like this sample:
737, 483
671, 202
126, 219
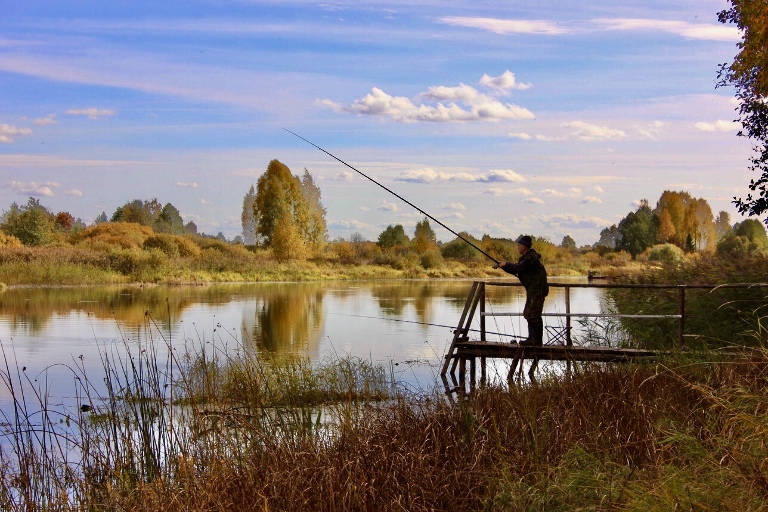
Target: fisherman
532, 274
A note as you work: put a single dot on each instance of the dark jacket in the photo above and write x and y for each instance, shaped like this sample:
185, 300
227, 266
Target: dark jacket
531, 272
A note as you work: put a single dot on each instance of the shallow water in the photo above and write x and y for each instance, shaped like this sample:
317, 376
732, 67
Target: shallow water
405, 325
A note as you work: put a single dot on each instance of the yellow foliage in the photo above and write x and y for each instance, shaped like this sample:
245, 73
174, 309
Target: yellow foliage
110, 235
9, 241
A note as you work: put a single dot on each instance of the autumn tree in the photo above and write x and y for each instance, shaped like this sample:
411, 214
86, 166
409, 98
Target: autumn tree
424, 237
608, 237
169, 221
568, 243
748, 74
722, 224
138, 211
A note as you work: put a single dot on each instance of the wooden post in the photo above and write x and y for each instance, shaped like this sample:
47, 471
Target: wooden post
472, 373
568, 340
681, 306
482, 312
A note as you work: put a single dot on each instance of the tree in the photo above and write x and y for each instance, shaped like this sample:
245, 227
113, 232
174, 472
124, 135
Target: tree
279, 198
424, 237
637, 231
141, 212
753, 230
316, 231
247, 218
169, 221
101, 218
722, 224
568, 243
32, 223
393, 236
608, 237
748, 74
666, 230
64, 221
190, 228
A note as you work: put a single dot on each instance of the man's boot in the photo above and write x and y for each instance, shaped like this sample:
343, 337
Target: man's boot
535, 336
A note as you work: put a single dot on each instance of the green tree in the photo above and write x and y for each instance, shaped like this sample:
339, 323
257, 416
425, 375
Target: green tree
748, 74
101, 218
169, 221
568, 243
458, 249
637, 231
279, 198
722, 224
608, 237
138, 211
32, 223
393, 236
247, 218
753, 230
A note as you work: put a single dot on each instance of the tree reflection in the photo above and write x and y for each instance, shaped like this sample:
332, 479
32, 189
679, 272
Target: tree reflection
289, 318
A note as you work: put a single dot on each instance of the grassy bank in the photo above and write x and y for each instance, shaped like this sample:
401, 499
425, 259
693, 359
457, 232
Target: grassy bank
208, 433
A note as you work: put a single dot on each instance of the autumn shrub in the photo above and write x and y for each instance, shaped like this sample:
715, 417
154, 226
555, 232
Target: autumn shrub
111, 235
164, 243
618, 258
432, 259
665, 253
286, 242
135, 261
8, 241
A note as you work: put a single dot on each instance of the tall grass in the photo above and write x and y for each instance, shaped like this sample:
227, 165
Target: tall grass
222, 428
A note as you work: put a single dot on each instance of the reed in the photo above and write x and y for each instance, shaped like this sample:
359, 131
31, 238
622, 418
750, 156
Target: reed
221, 428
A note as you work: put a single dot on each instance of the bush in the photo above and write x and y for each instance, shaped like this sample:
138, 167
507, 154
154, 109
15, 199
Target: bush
618, 258
432, 259
113, 235
737, 246
666, 253
164, 243
9, 241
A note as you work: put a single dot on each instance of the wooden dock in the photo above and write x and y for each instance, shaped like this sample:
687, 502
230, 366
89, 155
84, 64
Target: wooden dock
464, 354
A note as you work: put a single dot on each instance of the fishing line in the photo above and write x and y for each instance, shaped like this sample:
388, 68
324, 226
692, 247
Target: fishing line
394, 194
422, 323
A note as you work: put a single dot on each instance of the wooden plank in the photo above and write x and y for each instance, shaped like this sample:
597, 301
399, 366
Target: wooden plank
460, 329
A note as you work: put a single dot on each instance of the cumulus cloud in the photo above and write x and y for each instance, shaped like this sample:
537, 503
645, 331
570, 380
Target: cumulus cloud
573, 192
74, 193
429, 175
185, 184
718, 126
9, 133
571, 220
534, 200
598, 189
34, 188
343, 176
504, 82
592, 132
91, 113
439, 104
591, 200
521, 136
47, 120
652, 131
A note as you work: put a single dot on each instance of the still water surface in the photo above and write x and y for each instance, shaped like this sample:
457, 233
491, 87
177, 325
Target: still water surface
405, 325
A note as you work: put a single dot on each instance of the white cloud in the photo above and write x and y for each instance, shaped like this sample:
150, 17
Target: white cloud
185, 184
598, 189
701, 31
574, 221
9, 133
203, 201
440, 104
591, 200
387, 207
504, 27
534, 200
343, 176
34, 188
652, 131
74, 193
429, 175
573, 192
718, 126
452, 206
521, 136
92, 113
592, 132
47, 120
504, 82
349, 224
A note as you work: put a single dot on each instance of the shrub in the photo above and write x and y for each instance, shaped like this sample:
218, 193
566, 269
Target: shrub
737, 246
618, 258
9, 241
666, 253
432, 259
164, 243
112, 235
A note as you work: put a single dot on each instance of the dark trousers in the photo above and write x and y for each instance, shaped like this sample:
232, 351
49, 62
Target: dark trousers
534, 306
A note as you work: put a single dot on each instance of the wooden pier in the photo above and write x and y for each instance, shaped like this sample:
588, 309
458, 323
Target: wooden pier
464, 353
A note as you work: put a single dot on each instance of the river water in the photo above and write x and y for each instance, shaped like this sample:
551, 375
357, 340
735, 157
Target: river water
405, 325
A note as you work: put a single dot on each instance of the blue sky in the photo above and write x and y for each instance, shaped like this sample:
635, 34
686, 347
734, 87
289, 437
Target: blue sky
548, 118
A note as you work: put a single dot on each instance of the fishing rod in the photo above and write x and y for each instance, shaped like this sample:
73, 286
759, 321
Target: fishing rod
394, 194
425, 323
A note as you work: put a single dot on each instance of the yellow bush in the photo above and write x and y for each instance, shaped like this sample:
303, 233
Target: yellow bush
9, 241
110, 235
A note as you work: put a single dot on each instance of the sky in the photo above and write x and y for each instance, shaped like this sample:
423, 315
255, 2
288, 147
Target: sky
548, 118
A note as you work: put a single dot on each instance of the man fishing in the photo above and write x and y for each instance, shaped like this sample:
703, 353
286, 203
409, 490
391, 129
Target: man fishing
532, 274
